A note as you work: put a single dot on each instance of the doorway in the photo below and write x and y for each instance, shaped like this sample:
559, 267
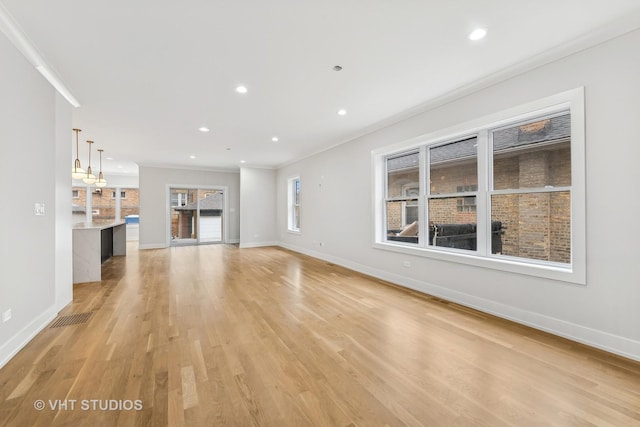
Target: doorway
197, 215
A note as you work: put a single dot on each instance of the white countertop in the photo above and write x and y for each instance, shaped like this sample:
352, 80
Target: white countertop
97, 225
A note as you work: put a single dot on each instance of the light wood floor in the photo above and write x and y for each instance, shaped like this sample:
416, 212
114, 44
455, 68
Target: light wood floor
214, 336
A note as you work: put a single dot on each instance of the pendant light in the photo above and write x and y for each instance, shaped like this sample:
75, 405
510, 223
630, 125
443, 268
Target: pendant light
77, 172
89, 178
101, 182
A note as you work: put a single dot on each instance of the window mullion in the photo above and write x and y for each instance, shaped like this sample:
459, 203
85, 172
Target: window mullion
423, 170
483, 202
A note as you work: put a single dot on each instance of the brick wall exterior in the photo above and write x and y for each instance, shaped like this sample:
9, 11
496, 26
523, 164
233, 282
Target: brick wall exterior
183, 226
445, 211
446, 180
536, 226
105, 203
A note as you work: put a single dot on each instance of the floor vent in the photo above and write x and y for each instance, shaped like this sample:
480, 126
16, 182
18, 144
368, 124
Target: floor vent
73, 319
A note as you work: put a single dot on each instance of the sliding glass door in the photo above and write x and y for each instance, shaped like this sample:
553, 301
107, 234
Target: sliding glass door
197, 215
210, 215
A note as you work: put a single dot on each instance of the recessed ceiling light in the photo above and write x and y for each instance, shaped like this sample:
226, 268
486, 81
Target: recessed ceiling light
275, 139
337, 68
109, 158
204, 129
241, 89
192, 156
477, 34
243, 161
228, 149
120, 167
342, 112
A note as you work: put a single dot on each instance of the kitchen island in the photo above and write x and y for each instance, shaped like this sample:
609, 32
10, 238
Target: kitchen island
93, 244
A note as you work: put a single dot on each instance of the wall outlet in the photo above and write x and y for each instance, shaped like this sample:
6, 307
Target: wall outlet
6, 315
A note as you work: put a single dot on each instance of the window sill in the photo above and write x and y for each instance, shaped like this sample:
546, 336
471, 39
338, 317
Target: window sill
297, 232
513, 265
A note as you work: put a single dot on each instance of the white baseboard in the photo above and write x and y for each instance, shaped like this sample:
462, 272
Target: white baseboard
143, 246
258, 244
592, 337
152, 246
22, 338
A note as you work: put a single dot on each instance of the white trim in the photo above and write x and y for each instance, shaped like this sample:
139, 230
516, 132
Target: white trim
18, 37
257, 245
143, 246
575, 272
25, 335
56, 82
595, 338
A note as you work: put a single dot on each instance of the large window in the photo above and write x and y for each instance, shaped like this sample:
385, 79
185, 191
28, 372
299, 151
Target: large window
294, 204
104, 204
531, 191
501, 192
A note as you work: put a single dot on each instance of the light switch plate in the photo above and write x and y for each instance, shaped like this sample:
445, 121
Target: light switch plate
38, 208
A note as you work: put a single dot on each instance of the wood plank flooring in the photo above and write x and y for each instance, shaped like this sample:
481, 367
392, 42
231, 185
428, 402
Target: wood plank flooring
218, 336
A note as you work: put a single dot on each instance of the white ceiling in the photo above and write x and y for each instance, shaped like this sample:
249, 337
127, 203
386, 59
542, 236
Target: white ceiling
148, 73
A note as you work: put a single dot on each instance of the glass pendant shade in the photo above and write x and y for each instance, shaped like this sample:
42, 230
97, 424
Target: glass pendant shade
77, 172
101, 182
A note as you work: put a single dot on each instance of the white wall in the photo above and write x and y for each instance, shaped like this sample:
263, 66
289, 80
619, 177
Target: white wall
154, 205
31, 147
336, 205
122, 181
257, 207
63, 232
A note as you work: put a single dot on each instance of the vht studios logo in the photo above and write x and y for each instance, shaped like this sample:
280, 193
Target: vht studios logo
88, 405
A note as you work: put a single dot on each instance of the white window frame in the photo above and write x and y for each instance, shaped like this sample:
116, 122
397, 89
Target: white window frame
291, 204
169, 206
573, 272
